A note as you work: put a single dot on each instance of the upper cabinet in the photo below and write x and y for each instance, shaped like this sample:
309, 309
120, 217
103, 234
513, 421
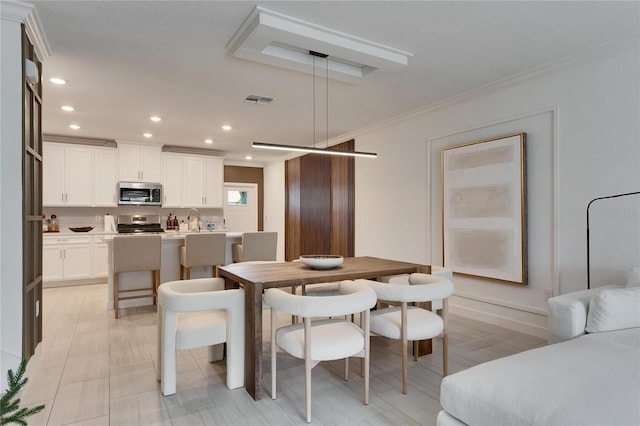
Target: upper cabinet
78, 175
67, 178
192, 180
105, 177
139, 163
171, 180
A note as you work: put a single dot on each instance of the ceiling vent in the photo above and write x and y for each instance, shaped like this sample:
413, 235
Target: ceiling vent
258, 100
280, 40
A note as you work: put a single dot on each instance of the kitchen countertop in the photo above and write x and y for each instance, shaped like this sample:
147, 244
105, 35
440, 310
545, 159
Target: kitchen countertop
166, 235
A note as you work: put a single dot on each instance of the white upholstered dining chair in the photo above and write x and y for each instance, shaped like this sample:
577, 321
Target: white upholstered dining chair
195, 313
410, 323
317, 340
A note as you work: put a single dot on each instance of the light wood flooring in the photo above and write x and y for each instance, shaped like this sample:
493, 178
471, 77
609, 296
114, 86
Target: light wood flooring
92, 369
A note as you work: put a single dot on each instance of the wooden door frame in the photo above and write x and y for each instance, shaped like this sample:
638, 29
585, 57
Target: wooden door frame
31, 203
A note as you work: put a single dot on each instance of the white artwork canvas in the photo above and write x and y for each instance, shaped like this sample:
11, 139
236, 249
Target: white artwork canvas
484, 208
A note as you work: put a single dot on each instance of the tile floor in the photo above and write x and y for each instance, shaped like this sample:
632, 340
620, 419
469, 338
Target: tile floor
91, 369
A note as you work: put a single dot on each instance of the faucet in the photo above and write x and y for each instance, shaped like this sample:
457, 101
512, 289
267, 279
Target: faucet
197, 218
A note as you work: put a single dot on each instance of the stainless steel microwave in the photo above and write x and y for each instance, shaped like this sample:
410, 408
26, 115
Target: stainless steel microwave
139, 194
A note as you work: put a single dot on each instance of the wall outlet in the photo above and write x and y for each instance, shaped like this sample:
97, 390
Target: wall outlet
37, 308
548, 293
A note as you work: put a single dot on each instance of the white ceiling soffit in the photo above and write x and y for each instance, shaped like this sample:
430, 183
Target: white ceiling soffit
280, 40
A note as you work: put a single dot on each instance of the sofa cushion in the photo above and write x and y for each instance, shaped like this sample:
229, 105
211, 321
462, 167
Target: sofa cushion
590, 380
614, 309
633, 277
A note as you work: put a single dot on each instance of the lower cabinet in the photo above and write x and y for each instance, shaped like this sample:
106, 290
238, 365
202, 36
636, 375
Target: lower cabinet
73, 258
100, 256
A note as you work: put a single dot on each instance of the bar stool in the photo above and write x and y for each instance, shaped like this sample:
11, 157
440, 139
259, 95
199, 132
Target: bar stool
202, 250
134, 254
255, 246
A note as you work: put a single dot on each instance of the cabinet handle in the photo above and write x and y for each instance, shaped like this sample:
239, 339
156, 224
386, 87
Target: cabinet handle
62, 197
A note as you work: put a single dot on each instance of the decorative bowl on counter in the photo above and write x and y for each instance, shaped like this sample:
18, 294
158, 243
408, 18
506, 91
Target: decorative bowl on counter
321, 261
82, 229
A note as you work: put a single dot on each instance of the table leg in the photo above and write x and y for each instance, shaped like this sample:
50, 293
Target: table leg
423, 347
253, 340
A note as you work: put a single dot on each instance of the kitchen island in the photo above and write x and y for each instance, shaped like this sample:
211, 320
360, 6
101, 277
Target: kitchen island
170, 269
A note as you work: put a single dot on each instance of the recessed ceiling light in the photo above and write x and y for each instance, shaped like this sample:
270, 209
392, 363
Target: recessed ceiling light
248, 157
226, 127
67, 108
74, 126
209, 141
147, 135
56, 80
155, 118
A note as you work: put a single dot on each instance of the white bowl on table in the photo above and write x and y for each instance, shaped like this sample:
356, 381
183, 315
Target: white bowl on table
321, 261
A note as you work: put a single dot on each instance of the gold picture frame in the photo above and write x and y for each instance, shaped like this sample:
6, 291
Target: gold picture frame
484, 230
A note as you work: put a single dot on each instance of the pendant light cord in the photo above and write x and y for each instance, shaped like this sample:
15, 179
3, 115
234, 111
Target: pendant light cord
314, 101
327, 80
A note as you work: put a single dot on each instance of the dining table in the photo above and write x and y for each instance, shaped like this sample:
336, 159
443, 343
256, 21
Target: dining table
257, 277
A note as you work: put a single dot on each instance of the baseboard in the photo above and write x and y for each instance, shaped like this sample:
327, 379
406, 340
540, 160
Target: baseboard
513, 318
53, 284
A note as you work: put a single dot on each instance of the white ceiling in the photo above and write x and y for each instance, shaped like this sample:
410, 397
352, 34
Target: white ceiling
127, 60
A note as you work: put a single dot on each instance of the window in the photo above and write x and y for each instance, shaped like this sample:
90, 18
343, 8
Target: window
237, 198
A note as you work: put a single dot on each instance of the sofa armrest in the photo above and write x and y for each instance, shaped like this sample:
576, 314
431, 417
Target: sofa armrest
568, 314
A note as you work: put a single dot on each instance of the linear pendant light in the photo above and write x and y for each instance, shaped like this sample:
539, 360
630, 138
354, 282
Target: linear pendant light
314, 150
296, 148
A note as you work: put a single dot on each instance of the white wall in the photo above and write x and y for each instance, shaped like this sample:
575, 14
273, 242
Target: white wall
274, 199
10, 189
582, 123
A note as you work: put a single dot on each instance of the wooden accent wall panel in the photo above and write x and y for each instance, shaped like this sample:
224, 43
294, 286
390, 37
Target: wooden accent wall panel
292, 209
320, 200
241, 174
315, 205
343, 202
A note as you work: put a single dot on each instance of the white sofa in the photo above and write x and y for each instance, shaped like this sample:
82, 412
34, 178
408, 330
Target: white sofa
588, 375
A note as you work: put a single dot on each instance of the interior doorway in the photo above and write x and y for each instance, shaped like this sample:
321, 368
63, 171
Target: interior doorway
241, 206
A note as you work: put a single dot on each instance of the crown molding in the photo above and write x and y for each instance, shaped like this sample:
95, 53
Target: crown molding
15, 11
20, 12
36, 34
47, 137
597, 51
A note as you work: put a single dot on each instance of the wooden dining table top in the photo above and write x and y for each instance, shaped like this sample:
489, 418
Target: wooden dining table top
282, 274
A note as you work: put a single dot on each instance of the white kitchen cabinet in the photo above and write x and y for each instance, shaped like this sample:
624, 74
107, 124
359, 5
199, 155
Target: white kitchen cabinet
67, 258
100, 257
213, 182
192, 180
139, 163
52, 265
171, 180
203, 181
67, 178
105, 177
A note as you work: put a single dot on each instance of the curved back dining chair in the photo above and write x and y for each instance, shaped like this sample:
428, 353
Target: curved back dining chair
410, 323
195, 313
317, 340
